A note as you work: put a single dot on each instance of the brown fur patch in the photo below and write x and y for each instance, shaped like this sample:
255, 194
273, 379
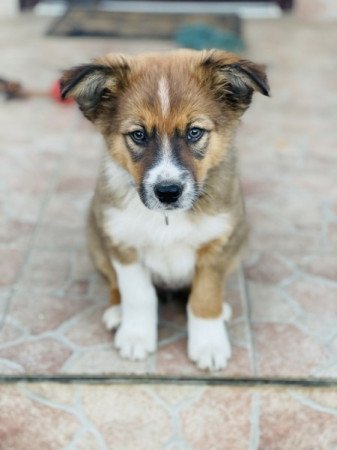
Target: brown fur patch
206, 299
115, 297
215, 261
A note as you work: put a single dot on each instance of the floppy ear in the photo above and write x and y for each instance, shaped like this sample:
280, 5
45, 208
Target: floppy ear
234, 79
96, 85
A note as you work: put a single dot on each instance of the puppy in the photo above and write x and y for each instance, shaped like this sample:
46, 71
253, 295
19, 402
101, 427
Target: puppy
167, 210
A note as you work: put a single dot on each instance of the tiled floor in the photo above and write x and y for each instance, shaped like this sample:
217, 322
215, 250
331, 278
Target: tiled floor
283, 298
96, 417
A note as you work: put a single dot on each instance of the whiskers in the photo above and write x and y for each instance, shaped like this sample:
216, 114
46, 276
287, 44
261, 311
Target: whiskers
203, 195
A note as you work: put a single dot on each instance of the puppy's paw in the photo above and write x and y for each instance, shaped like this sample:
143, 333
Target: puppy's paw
112, 317
208, 343
210, 356
135, 344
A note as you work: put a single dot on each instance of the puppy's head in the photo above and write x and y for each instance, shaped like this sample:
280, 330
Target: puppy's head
167, 119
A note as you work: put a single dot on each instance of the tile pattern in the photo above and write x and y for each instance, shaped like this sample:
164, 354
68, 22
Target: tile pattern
97, 417
51, 298
287, 164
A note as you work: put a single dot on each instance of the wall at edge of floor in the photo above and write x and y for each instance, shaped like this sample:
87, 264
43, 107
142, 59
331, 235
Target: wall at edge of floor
316, 9
9, 8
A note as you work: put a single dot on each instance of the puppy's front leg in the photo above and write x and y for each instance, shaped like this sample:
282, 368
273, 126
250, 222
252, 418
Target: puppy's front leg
137, 334
208, 343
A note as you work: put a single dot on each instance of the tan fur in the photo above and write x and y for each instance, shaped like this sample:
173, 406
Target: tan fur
115, 297
214, 262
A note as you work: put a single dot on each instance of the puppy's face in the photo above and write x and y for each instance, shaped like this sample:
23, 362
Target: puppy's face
167, 119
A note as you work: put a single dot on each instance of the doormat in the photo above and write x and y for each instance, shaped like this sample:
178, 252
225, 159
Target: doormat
79, 21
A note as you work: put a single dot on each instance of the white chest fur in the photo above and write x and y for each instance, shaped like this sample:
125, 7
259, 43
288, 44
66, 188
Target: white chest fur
167, 250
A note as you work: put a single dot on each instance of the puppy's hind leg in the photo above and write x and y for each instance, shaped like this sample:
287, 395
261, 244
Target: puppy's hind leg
100, 256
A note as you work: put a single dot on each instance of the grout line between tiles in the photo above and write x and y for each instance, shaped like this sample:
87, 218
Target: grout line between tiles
254, 437
245, 300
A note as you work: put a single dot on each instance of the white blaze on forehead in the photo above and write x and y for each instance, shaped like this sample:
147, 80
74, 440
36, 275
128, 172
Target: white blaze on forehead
164, 95
166, 146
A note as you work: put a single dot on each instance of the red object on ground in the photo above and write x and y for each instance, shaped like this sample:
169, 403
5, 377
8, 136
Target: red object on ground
55, 92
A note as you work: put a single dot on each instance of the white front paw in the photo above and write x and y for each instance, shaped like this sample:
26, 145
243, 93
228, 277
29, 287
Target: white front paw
134, 343
112, 317
210, 355
208, 343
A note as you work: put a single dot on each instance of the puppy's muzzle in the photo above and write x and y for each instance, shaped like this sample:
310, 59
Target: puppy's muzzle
168, 193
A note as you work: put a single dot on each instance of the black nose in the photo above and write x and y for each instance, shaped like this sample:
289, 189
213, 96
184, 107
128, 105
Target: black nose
168, 193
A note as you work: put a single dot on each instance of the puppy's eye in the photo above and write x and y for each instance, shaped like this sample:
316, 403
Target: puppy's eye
195, 134
138, 136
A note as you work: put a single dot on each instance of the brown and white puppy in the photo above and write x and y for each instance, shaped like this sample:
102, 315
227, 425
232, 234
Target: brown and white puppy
167, 209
